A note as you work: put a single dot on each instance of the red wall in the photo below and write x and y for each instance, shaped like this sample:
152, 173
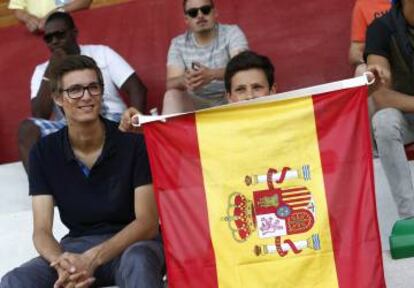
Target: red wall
307, 41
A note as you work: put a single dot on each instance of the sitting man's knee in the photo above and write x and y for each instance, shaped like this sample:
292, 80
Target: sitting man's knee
143, 256
387, 122
13, 279
142, 263
177, 101
174, 93
28, 129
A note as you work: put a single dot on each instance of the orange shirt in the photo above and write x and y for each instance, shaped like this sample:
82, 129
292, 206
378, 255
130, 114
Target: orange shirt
365, 11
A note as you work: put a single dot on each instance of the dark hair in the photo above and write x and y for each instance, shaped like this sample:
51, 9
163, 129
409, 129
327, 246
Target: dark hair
245, 61
72, 63
185, 3
61, 16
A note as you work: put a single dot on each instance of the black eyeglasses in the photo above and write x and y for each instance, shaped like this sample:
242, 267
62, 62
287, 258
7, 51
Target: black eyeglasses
193, 12
58, 34
77, 91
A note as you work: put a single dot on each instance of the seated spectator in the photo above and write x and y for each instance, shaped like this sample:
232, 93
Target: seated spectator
99, 179
61, 38
364, 12
248, 75
197, 58
33, 13
389, 52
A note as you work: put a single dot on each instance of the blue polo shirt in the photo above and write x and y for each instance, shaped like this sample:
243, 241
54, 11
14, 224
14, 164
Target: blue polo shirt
98, 202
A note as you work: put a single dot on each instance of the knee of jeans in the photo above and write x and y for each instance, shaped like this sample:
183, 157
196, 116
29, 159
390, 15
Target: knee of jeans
387, 123
174, 93
27, 129
140, 257
12, 279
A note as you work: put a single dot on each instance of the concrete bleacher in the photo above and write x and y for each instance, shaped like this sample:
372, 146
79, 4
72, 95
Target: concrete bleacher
16, 224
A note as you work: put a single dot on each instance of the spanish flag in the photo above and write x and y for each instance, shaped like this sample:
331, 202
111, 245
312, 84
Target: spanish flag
274, 192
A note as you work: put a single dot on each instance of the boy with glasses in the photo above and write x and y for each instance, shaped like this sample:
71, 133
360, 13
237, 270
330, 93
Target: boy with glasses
99, 179
197, 58
61, 39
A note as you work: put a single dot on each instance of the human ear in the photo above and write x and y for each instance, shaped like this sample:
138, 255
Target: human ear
273, 89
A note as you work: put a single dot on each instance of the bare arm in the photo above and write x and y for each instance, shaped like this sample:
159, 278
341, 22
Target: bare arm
32, 22
382, 93
175, 78
72, 6
43, 238
136, 91
196, 79
42, 104
356, 51
178, 78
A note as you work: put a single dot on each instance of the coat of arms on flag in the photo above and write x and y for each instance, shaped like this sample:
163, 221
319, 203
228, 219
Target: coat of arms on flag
277, 192
274, 212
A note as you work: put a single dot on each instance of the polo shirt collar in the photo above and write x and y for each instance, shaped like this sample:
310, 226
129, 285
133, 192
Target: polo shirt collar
108, 148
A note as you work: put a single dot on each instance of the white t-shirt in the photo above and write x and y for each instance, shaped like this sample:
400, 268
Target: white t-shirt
115, 71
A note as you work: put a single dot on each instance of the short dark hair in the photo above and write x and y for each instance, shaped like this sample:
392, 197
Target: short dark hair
247, 60
72, 63
61, 16
185, 3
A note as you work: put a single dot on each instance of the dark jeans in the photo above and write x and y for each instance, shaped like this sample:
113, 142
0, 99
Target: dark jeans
140, 265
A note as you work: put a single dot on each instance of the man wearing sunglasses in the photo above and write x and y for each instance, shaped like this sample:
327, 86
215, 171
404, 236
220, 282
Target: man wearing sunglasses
61, 39
197, 58
99, 178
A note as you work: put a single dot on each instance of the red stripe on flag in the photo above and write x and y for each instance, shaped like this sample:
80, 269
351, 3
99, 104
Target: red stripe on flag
295, 195
346, 156
190, 260
297, 200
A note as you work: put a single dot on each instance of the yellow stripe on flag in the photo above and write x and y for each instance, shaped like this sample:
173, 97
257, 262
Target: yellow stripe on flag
247, 141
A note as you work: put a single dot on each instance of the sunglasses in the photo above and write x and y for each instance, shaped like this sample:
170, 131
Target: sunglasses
58, 34
193, 12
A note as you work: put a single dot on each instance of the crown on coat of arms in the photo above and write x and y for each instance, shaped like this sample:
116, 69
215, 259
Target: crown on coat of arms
240, 217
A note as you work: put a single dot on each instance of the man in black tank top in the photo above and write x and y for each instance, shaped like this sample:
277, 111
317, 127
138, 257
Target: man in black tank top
389, 53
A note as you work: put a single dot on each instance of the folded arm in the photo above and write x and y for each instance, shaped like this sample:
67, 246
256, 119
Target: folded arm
383, 94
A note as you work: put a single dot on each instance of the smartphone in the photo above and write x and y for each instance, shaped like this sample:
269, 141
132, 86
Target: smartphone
195, 66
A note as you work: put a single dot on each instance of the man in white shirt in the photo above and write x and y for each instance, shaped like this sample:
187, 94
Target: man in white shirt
197, 58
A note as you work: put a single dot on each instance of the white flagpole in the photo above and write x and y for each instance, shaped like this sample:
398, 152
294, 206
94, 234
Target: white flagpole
305, 92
